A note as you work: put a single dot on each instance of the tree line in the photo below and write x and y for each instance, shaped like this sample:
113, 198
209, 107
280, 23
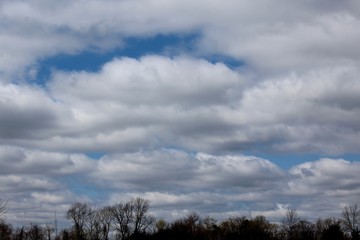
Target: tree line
132, 220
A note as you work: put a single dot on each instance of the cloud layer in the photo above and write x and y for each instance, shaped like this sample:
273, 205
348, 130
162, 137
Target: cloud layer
180, 129
176, 183
298, 36
185, 103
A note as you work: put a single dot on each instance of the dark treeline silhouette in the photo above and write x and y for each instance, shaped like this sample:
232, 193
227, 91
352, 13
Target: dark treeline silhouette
132, 221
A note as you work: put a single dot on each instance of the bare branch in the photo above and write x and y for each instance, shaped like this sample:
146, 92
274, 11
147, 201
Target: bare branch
3, 203
351, 219
291, 218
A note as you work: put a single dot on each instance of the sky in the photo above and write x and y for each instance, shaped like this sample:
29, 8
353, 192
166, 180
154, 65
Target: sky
221, 107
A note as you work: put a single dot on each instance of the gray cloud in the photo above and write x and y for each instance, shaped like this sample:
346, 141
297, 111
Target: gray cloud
187, 103
274, 112
177, 182
296, 92
21, 161
36, 183
29, 113
307, 186
144, 103
168, 168
320, 175
297, 108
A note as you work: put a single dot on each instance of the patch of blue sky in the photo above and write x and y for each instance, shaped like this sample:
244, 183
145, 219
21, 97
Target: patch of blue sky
95, 155
287, 161
92, 61
230, 62
82, 187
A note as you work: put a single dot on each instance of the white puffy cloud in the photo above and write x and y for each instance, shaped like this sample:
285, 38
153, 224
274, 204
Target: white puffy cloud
277, 36
130, 104
183, 81
337, 176
305, 112
326, 185
296, 45
186, 103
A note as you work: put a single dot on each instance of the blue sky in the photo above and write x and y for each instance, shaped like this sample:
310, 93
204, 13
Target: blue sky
225, 108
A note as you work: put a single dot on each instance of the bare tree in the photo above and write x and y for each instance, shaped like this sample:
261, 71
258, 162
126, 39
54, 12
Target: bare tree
142, 220
291, 218
98, 223
351, 220
3, 203
123, 217
6, 231
106, 220
131, 218
35, 232
49, 230
289, 222
93, 225
79, 214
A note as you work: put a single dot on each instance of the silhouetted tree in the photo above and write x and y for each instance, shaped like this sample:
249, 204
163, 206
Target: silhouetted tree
161, 230
328, 229
289, 222
267, 229
351, 221
123, 217
190, 227
230, 228
142, 220
106, 219
5, 231
248, 229
333, 232
35, 232
19, 234
131, 219
93, 225
303, 230
64, 235
161, 225
211, 229
3, 203
49, 230
79, 214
